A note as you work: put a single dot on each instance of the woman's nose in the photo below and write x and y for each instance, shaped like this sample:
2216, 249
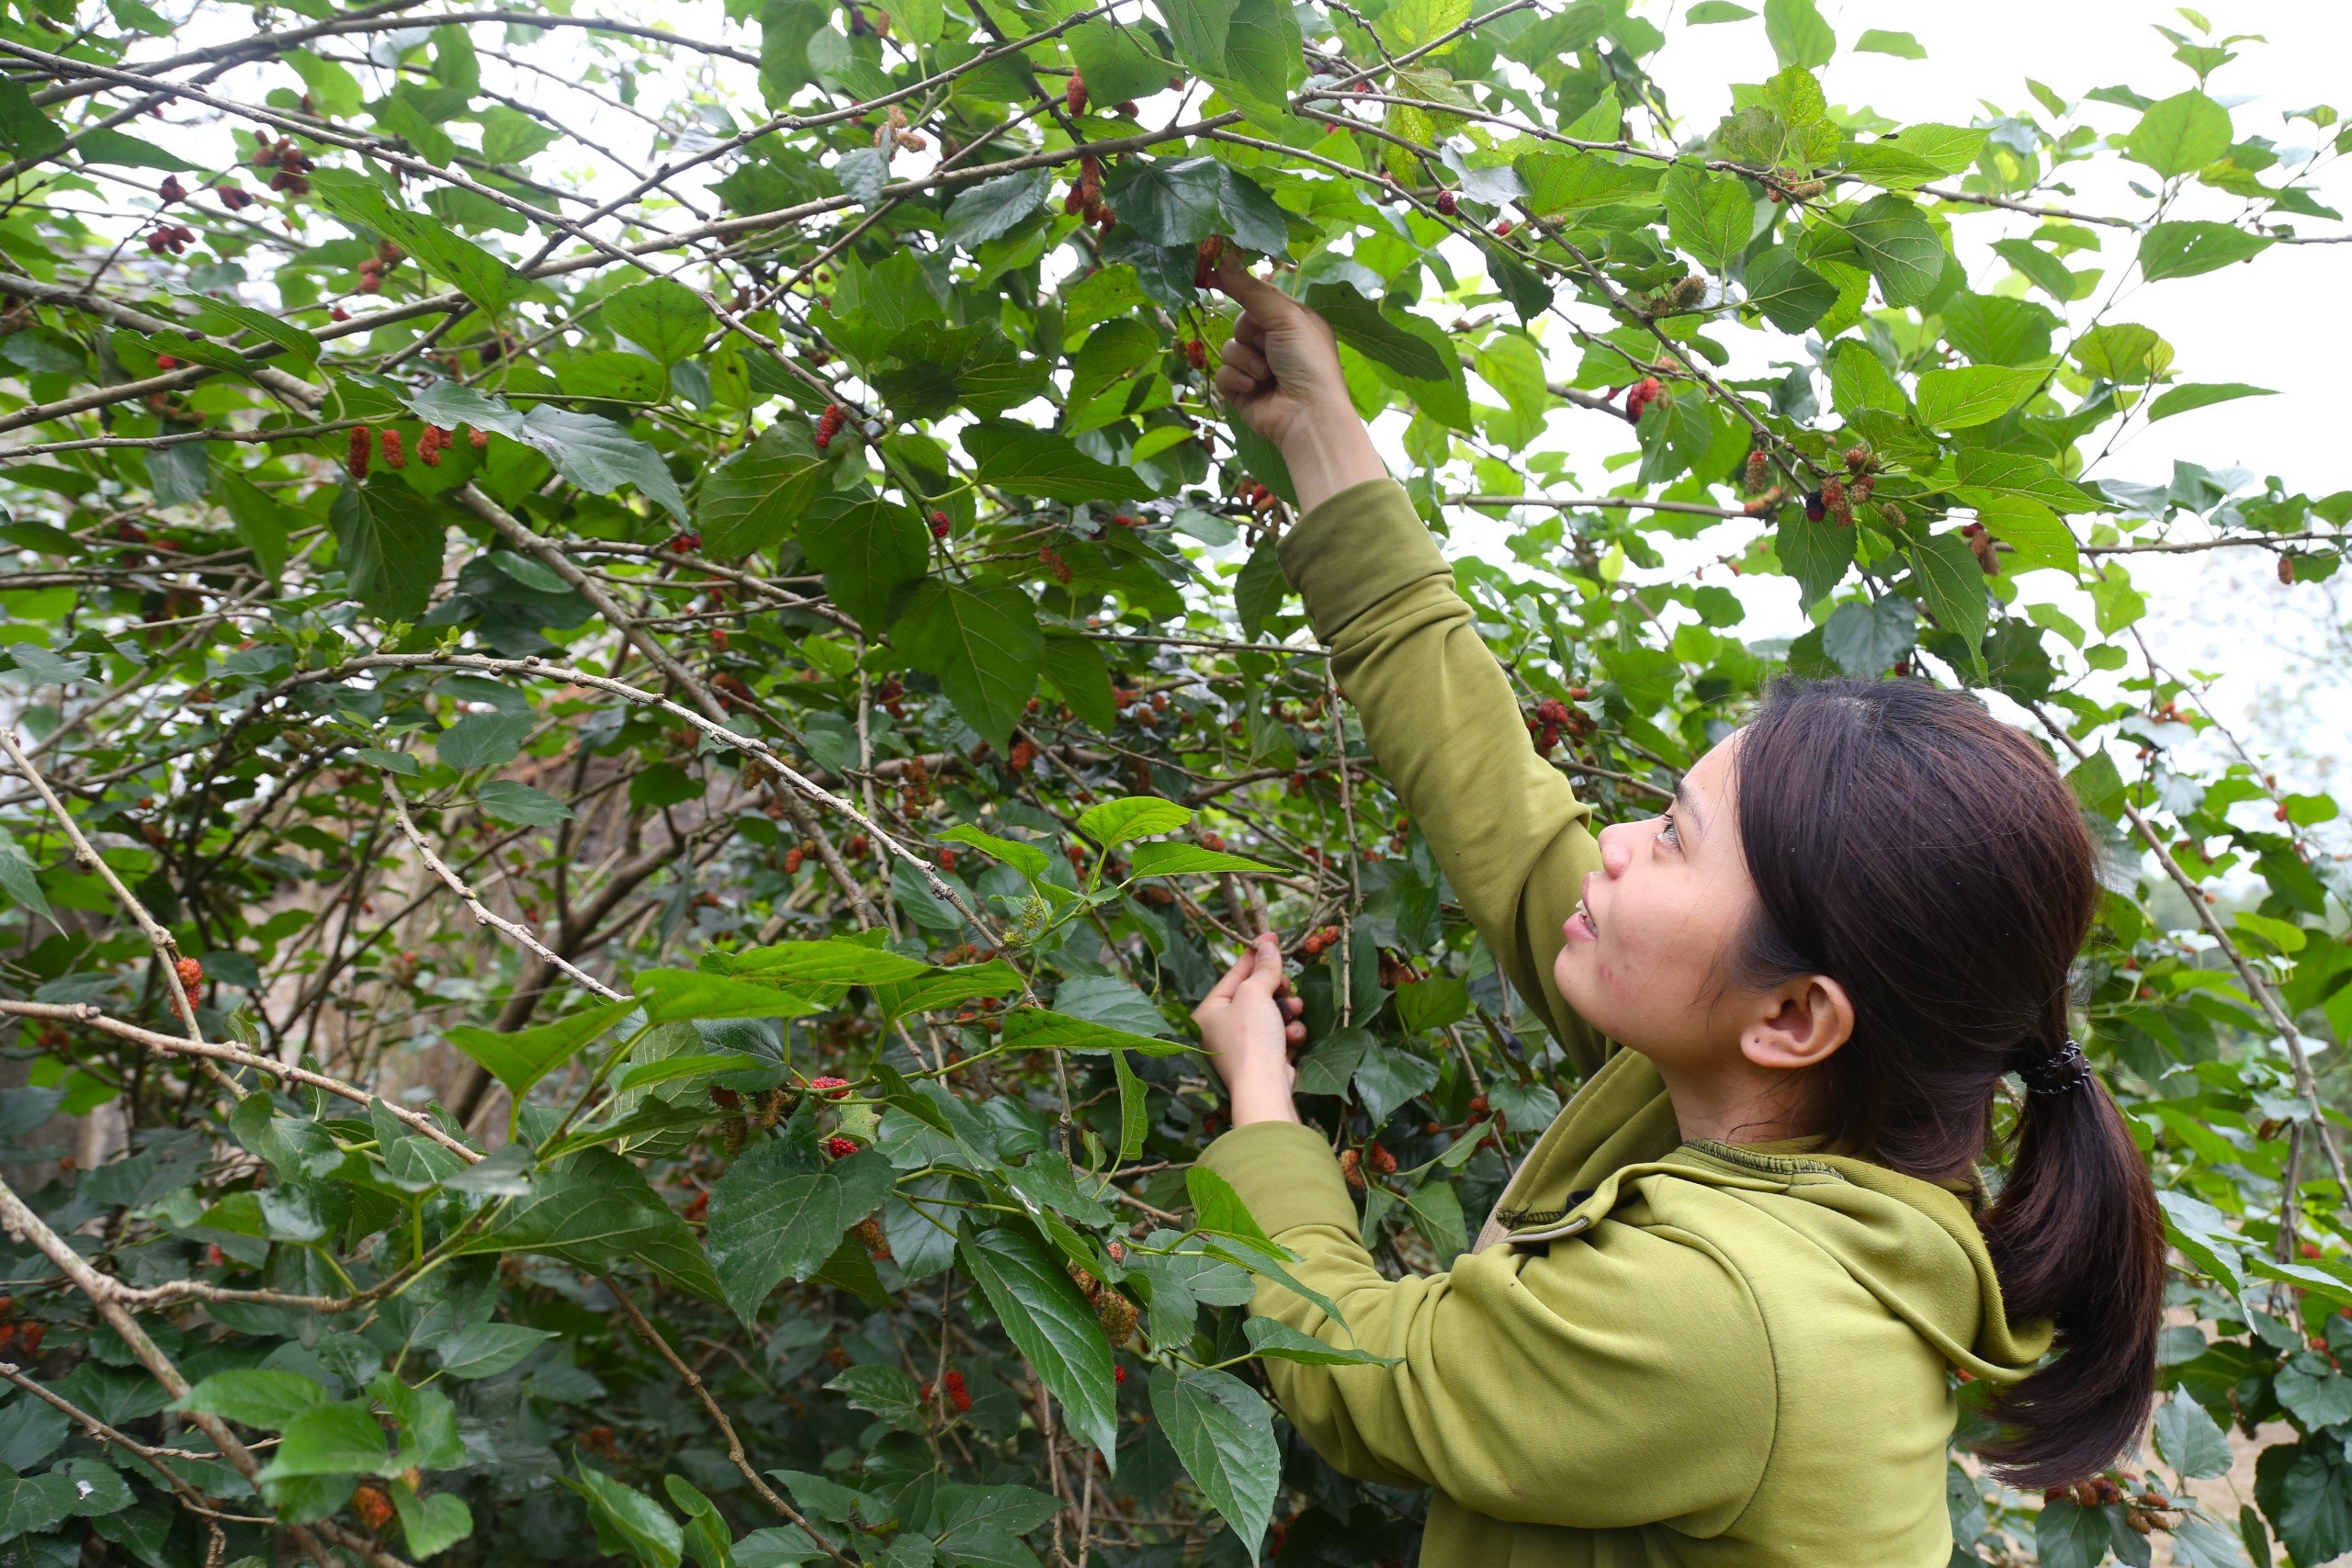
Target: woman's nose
1616, 848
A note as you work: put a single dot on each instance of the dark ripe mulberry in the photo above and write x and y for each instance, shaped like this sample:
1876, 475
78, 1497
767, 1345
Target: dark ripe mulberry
1447, 203
361, 449
939, 525
1815, 509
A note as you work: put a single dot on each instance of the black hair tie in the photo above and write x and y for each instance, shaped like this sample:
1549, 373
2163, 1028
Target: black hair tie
2057, 1072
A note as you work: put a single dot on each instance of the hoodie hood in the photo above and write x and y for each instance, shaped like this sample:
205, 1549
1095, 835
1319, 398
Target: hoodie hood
1913, 1244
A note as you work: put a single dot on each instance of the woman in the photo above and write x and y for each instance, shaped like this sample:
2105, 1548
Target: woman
1719, 1314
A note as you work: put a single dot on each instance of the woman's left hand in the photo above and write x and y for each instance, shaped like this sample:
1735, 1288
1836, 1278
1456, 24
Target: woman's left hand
1249, 1023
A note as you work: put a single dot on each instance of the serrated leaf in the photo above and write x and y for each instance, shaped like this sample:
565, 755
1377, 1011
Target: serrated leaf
1791, 294
995, 208
430, 1525
1974, 394
1138, 817
595, 1209
2181, 133
868, 549
829, 962
1899, 247
984, 645
1223, 1431
663, 316
329, 1439
1269, 1336
1951, 584
254, 1396
1049, 1322
1865, 638
1038, 1029
519, 804
479, 276
1711, 216
754, 499
2189, 1440
522, 1058
1359, 324
599, 455
1033, 462
2185, 250
680, 995
1189, 860
627, 1520
388, 540
773, 1218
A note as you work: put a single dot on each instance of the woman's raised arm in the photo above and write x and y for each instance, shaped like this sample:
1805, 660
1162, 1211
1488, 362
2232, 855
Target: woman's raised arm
1436, 708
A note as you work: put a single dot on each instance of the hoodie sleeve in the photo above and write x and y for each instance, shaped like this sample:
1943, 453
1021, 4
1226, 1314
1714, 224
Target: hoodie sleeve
1441, 718
1623, 1378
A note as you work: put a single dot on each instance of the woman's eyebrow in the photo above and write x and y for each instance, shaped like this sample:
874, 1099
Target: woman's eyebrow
1686, 804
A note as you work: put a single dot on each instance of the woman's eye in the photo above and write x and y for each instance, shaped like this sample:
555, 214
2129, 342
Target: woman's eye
1665, 829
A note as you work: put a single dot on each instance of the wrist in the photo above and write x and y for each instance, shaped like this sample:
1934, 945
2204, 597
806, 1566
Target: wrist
1261, 1097
1327, 451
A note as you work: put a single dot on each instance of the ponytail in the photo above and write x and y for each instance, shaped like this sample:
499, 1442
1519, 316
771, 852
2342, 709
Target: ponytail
1933, 861
2077, 1236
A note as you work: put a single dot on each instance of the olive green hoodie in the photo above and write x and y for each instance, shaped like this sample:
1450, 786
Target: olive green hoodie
1662, 1353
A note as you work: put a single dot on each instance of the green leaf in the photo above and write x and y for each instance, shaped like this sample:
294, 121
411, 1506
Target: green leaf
1878, 40
2189, 1440
1116, 63
2185, 250
995, 208
2038, 535
1432, 1003
600, 457
254, 1396
1798, 35
31, 1505
1036, 1029
629, 1521
1711, 216
1952, 584
1139, 816
754, 499
1269, 1336
2182, 134
868, 547
1224, 1432
1135, 1108
594, 1210
1865, 638
2123, 352
1791, 294
663, 316
519, 804
1189, 860
1075, 669
2198, 395
388, 539
1711, 12
1816, 553
1027, 859
984, 645
18, 878
1033, 462
483, 740
479, 276
774, 1217
947, 987
1561, 184
1900, 248
430, 1525
829, 962
330, 1439
1986, 473
680, 995
1049, 1322
1975, 394
2305, 1489
486, 1349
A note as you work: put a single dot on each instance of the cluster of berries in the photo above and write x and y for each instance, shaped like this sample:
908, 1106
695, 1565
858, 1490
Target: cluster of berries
1206, 260
432, 443
234, 197
1116, 1311
1259, 498
893, 134
682, 543
957, 1395
1318, 942
292, 166
1553, 719
828, 424
1784, 187
371, 271
1085, 197
173, 237
1640, 396
1354, 1161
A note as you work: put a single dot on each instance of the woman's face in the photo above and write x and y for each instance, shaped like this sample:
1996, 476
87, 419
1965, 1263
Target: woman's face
1641, 959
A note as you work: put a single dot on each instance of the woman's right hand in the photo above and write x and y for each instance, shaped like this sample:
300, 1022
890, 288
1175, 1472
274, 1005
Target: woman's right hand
1280, 373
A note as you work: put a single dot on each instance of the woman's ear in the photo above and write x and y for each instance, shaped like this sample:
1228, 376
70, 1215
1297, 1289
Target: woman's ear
1808, 1018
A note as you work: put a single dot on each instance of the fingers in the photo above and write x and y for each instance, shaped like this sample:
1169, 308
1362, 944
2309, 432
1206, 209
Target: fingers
1249, 293
1267, 978
1252, 331
1230, 985
1245, 358
1236, 388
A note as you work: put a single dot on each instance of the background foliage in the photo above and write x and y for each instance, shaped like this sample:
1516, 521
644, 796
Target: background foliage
618, 778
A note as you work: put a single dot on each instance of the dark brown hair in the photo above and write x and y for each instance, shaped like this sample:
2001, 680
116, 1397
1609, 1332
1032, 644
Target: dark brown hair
1932, 861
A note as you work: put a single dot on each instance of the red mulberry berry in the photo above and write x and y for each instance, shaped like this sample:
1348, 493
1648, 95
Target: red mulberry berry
830, 1087
1074, 96
957, 1395
1760, 468
939, 525
840, 1148
190, 971
1447, 203
395, 454
362, 448
477, 437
